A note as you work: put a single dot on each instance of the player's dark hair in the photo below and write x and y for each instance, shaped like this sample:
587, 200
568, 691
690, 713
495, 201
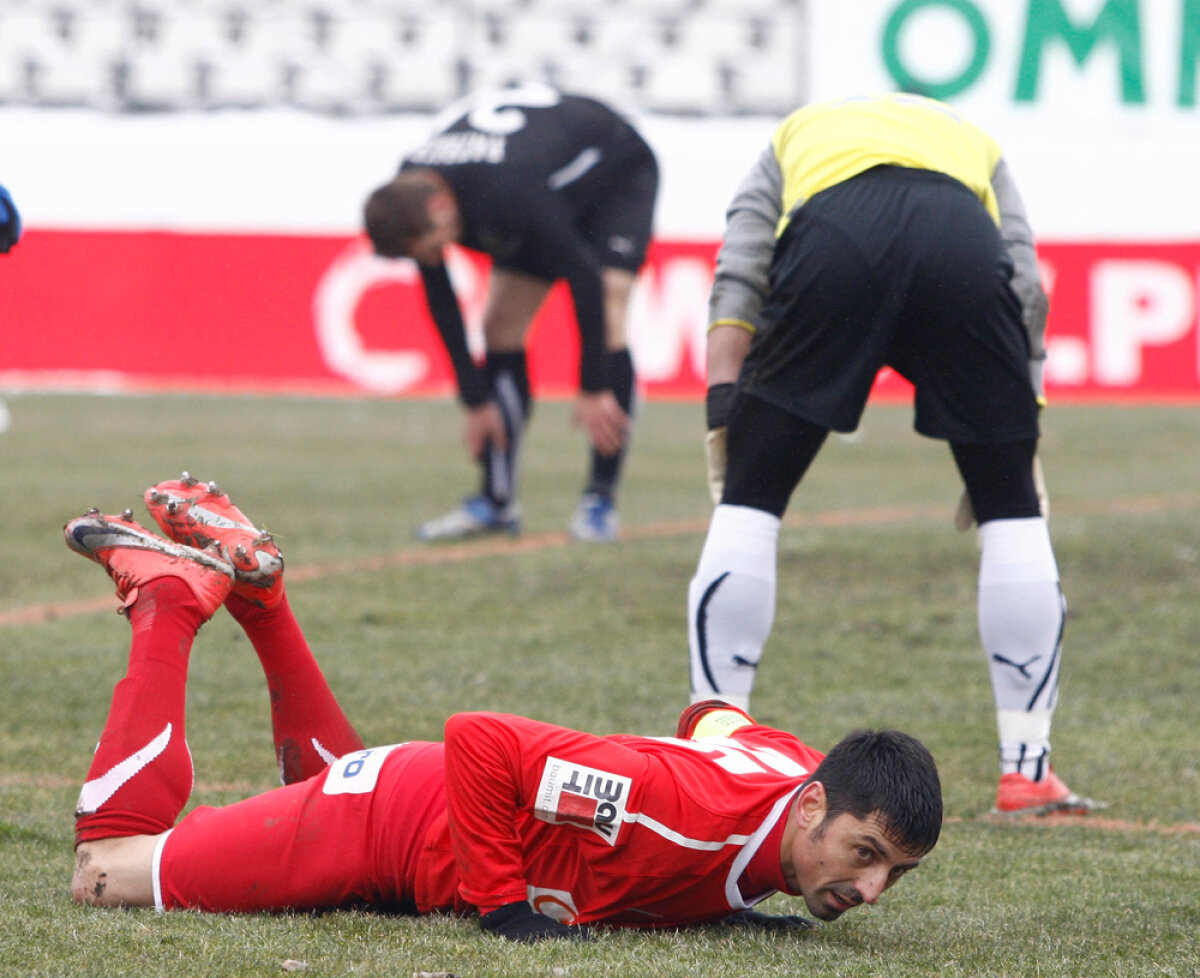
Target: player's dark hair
891, 775
397, 213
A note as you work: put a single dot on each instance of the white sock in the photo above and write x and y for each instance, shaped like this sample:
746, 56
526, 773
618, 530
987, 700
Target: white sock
1020, 624
731, 603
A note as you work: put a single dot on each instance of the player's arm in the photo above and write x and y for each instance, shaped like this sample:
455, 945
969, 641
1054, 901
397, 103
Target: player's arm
738, 292
1027, 281
597, 410
751, 222
483, 418
501, 771
711, 718
448, 318
719, 720
768, 921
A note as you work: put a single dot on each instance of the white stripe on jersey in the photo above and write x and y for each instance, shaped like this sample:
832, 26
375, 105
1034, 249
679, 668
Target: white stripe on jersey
705, 845
732, 892
750, 845
575, 169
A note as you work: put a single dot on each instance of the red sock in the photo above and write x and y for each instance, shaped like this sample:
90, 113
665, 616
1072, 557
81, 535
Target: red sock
309, 726
141, 774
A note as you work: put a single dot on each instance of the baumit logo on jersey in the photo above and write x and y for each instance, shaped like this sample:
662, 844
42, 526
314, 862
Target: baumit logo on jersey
573, 794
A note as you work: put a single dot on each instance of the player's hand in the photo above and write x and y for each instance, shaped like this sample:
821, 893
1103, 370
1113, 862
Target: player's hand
718, 405
1037, 378
606, 424
964, 515
483, 424
520, 922
715, 457
1039, 486
768, 921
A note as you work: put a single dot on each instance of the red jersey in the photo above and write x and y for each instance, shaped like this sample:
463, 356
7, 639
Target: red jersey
631, 831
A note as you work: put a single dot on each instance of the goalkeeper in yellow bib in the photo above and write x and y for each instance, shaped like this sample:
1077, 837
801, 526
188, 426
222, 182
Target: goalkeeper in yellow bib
872, 232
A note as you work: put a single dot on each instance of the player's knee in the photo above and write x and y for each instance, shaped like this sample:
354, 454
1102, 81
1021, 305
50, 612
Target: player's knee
999, 479
114, 872
89, 882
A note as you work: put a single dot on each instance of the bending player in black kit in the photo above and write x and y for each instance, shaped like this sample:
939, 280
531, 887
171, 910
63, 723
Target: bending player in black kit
552, 187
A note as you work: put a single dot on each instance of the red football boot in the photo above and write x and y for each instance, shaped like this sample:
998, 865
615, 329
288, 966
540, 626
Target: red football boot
133, 556
199, 514
1019, 795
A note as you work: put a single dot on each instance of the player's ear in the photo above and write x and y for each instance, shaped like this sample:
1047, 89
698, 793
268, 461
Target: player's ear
811, 805
442, 206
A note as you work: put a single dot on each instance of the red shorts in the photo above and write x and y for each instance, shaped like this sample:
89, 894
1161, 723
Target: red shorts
351, 835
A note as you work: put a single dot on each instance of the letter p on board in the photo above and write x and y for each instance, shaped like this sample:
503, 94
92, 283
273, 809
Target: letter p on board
1137, 304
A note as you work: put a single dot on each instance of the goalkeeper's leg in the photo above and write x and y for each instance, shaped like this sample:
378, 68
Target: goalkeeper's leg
1021, 614
731, 598
1020, 603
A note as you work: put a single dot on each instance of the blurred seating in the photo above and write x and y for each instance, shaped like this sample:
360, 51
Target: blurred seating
707, 57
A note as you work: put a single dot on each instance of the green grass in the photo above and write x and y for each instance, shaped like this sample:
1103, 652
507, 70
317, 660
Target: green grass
876, 625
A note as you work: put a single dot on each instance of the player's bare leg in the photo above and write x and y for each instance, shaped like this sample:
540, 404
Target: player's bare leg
115, 872
595, 519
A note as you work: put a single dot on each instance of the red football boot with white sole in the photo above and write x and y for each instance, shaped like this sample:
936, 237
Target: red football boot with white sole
133, 556
200, 514
1019, 795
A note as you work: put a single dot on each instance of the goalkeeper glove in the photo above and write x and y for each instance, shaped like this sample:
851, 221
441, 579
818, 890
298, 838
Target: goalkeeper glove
718, 403
964, 515
715, 457
711, 718
520, 922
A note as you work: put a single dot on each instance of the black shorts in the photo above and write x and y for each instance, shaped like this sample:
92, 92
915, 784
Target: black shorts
620, 225
618, 219
902, 268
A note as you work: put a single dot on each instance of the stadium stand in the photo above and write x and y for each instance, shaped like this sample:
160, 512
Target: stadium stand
703, 57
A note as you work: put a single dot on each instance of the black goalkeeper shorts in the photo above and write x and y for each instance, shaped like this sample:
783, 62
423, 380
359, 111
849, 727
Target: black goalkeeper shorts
902, 268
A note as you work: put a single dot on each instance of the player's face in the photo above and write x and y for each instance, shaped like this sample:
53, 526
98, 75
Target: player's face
843, 861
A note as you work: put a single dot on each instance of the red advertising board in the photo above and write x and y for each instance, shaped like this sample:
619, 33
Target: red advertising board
126, 310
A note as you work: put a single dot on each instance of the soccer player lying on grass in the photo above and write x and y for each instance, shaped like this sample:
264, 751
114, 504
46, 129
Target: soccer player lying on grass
537, 828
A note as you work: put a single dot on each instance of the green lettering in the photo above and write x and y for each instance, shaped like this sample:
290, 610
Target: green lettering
1189, 53
943, 88
1117, 22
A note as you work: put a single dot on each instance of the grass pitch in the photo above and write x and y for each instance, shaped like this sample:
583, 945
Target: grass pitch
876, 625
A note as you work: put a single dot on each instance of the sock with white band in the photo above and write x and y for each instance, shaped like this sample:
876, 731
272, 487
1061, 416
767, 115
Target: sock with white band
731, 603
1020, 625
